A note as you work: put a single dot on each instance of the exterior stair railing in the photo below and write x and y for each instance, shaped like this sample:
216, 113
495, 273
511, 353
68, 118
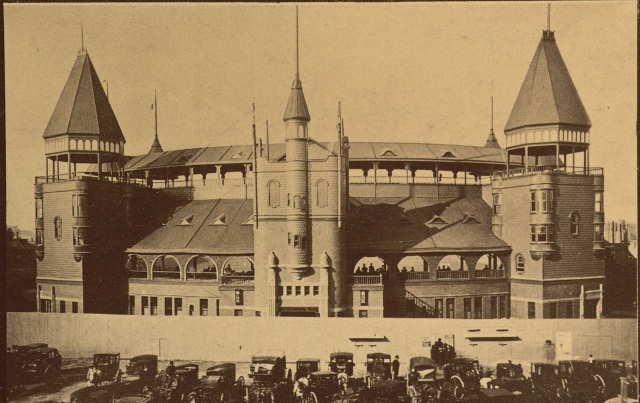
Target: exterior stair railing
418, 307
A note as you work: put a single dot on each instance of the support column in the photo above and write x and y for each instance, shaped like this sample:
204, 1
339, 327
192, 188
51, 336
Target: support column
581, 302
389, 173
455, 177
557, 156
526, 159
245, 174
365, 173
147, 179
272, 286
323, 306
99, 168
407, 169
46, 169
191, 176
599, 306
219, 174
573, 159
69, 165
508, 158
465, 174
57, 172
375, 179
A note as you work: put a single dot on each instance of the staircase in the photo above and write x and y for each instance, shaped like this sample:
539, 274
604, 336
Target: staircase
418, 308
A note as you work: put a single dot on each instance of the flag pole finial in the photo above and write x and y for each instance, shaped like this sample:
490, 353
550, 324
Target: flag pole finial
297, 46
549, 17
81, 36
155, 107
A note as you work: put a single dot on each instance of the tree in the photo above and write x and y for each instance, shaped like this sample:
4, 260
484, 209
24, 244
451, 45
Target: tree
10, 234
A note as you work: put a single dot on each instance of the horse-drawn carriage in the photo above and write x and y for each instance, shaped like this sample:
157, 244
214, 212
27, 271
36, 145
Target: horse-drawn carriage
461, 378
270, 383
378, 368
219, 385
421, 380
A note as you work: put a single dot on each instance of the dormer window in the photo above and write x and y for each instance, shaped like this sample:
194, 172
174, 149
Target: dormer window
469, 219
187, 220
220, 220
237, 156
388, 153
436, 220
448, 154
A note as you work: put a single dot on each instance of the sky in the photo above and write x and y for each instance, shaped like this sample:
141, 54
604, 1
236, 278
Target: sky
407, 72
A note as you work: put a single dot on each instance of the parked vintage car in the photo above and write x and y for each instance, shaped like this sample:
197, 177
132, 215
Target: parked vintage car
609, 373
109, 366
177, 388
270, 384
323, 387
341, 362
378, 368
578, 382
388, 390
511, 377
545, 380
219, 385
42, 363
306, 366
462, 378
144, 366
421, 379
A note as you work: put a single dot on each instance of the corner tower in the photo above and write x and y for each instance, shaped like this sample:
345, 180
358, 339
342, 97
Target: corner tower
550, 196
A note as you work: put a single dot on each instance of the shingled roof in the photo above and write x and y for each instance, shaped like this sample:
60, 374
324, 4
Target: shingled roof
547, 95
297, 106
83, 107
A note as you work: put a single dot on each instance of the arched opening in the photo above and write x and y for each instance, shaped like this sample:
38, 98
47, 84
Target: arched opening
489, 266
413, 268
453, 267
238, 266
136, 267
370, 265
201, 268
166, 267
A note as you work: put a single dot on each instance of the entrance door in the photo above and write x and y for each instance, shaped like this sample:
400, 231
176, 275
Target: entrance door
590, 308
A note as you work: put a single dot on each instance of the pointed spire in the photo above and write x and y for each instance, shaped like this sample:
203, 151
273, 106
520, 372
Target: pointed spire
83, 106
155, 146
548, 95
81, 37
492, 141
297, 105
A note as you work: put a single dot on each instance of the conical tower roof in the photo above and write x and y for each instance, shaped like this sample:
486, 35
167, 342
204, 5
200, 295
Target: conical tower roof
492, 141
297, 106
547, 95
83, 107
156, 147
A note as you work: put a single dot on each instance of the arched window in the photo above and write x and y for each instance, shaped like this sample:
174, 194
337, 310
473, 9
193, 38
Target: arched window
239, 297
364, 297
296, 201
94, 145
574, 223
73, 144
57, 223
300, 131
274, 194
519, 262
322, 189
201, 268
296, 240
166, 267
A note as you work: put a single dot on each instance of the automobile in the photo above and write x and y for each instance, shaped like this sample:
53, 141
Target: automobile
219, 385
176, 388
145, 366
42, 363
270, 383
511, 377
306, 366
609, 373
341, 361
545, 380
578, 381
21, 351
461, 378
421, 379
387, 390
323, 387
378, 368
108, 393
109, 366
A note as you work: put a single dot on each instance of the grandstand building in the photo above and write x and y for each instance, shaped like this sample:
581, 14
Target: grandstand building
283, 227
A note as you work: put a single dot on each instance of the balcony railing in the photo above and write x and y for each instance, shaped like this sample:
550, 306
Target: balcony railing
490, 274
175, 275
201, 275
453, 275
138, 274
547, 168
413, 275
402, 180
367, 280
237, 280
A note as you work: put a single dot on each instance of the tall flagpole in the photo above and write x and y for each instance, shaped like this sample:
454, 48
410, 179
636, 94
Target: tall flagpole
155, 107
339, 127
255, 170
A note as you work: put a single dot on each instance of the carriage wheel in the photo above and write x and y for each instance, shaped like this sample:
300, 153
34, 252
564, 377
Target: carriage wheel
413, 394
458, 391
561, 391
312, 397
602, 386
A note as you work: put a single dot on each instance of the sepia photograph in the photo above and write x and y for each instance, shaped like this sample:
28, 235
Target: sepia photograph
428, 202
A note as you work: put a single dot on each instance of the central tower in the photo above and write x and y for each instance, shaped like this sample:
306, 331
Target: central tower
296, 119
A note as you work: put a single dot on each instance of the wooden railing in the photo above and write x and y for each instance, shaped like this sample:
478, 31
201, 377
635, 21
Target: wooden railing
237, 280
550, 169
413, 275
418, 306
366, 280
453, 275
490, 273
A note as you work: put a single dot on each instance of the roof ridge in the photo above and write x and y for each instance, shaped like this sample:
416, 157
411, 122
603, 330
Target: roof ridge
75, 96
200, 226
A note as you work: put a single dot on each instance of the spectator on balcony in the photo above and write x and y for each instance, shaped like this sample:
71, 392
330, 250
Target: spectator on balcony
228, 270
485, 267
501, 267
363, 269
447, 269
404, 269
412, 269
372, 270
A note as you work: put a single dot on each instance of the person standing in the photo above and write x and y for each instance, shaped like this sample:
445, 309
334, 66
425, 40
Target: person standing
395, 366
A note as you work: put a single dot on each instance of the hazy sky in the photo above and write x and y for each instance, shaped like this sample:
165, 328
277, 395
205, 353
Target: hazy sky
407, 72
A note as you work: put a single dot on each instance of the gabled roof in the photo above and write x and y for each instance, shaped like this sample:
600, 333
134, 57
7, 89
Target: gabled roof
547, 95
198, 236
83, 107
297, 106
